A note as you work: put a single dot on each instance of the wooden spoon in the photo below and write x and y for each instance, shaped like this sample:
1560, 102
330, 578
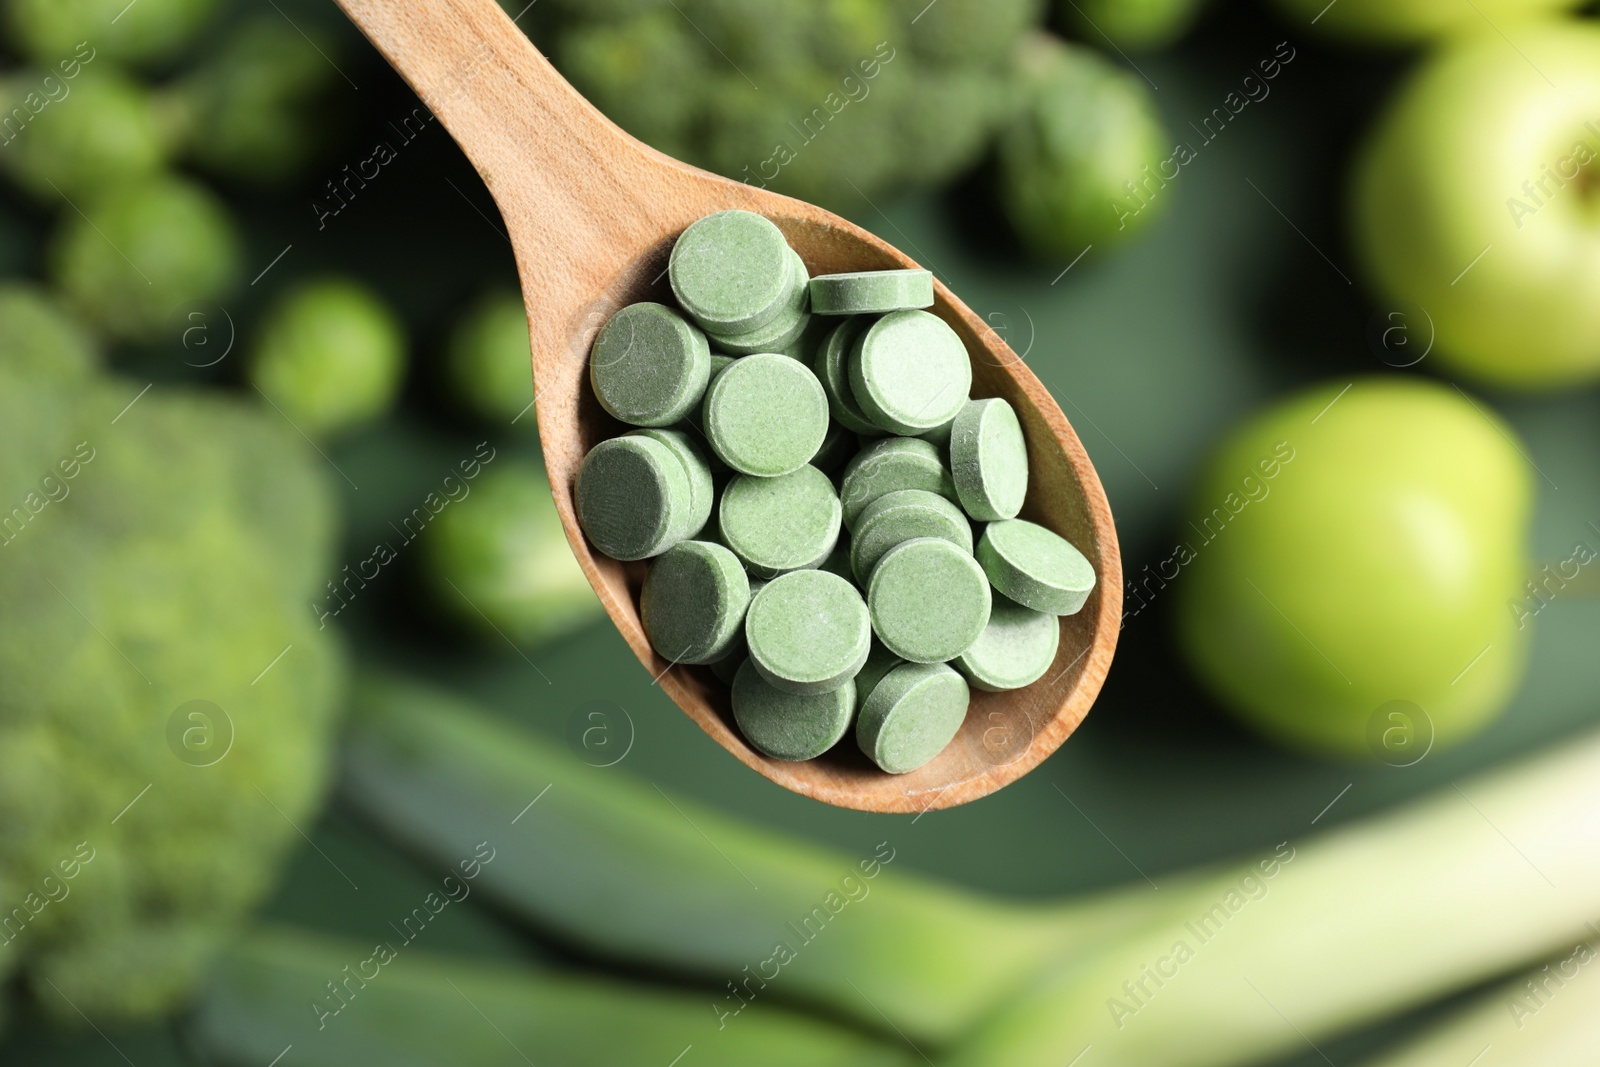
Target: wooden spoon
592, 214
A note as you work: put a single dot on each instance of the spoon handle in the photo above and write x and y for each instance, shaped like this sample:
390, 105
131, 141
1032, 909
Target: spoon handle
563, 175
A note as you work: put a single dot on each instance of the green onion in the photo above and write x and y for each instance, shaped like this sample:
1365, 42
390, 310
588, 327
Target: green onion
282, 989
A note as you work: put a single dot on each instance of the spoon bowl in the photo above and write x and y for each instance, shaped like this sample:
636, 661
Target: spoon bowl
592, 215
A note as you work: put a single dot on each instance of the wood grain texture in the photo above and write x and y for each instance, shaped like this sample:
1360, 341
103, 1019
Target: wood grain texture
592, 214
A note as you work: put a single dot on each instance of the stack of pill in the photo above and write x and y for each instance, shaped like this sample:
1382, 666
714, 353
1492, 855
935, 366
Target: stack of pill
805, 473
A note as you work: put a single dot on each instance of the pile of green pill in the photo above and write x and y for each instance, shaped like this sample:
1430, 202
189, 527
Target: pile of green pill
805, 471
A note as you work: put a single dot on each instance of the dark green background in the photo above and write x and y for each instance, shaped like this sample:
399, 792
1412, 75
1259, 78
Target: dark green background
1153, 352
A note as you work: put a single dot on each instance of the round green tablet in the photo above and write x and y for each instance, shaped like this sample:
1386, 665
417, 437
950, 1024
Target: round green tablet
832, 368
929, 600
785, 327
909, 372
880, 661
871, 291
989, 460
632, 497
649, 366
731, 271
1014, 650
766, 415
808, 631
915, 711
789, 726
693, 602
838, 446
888, 466
1035, 567
780, 524
901, 516
697, 468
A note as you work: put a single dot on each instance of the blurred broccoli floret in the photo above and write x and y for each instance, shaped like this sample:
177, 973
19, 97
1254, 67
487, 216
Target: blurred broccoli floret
138, 252
102, 130
330, 355
251, 109
828, 100
500, 561
155, 559
1141, 25
489, 363
1080, 162
146, 32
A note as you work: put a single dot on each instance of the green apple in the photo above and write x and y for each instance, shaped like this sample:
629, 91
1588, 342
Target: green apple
1401, 22
1354, 547
1477, 199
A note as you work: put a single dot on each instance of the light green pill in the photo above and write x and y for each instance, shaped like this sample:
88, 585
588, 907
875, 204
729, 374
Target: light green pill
1014, 650
632, 497
902, 516
909, 372
832, 368
888, 466
838, 447
731, 271
789, 726
1035, 567
693, 602
989, 460
785, 328
912, 716
766, 415
649, 365
780, 524
808, 632
871, 291
697, 468
929, 600
880, 661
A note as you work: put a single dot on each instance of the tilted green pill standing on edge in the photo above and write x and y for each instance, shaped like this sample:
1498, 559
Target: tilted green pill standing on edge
872, 291
989, 460
909, 372
911, 716
790, 726
696, 468
731, 271
649, 365
766, 415
631, 497
888, 466
929, 600
693, 602
1035, 567
780, 524
831, 364
895, 518
808, 631
1014, 650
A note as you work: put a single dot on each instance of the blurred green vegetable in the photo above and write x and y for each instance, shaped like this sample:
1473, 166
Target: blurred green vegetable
254, 109
146, 32
1405, 22
828, 101
1141, 25
1347, 581
489, 363
168, 701
104, 131
1084, 159
138, 252
415, 1009
1358, 924
500, 562
330, 355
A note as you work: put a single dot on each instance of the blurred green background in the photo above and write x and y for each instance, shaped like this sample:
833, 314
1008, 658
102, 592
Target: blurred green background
1245, 288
